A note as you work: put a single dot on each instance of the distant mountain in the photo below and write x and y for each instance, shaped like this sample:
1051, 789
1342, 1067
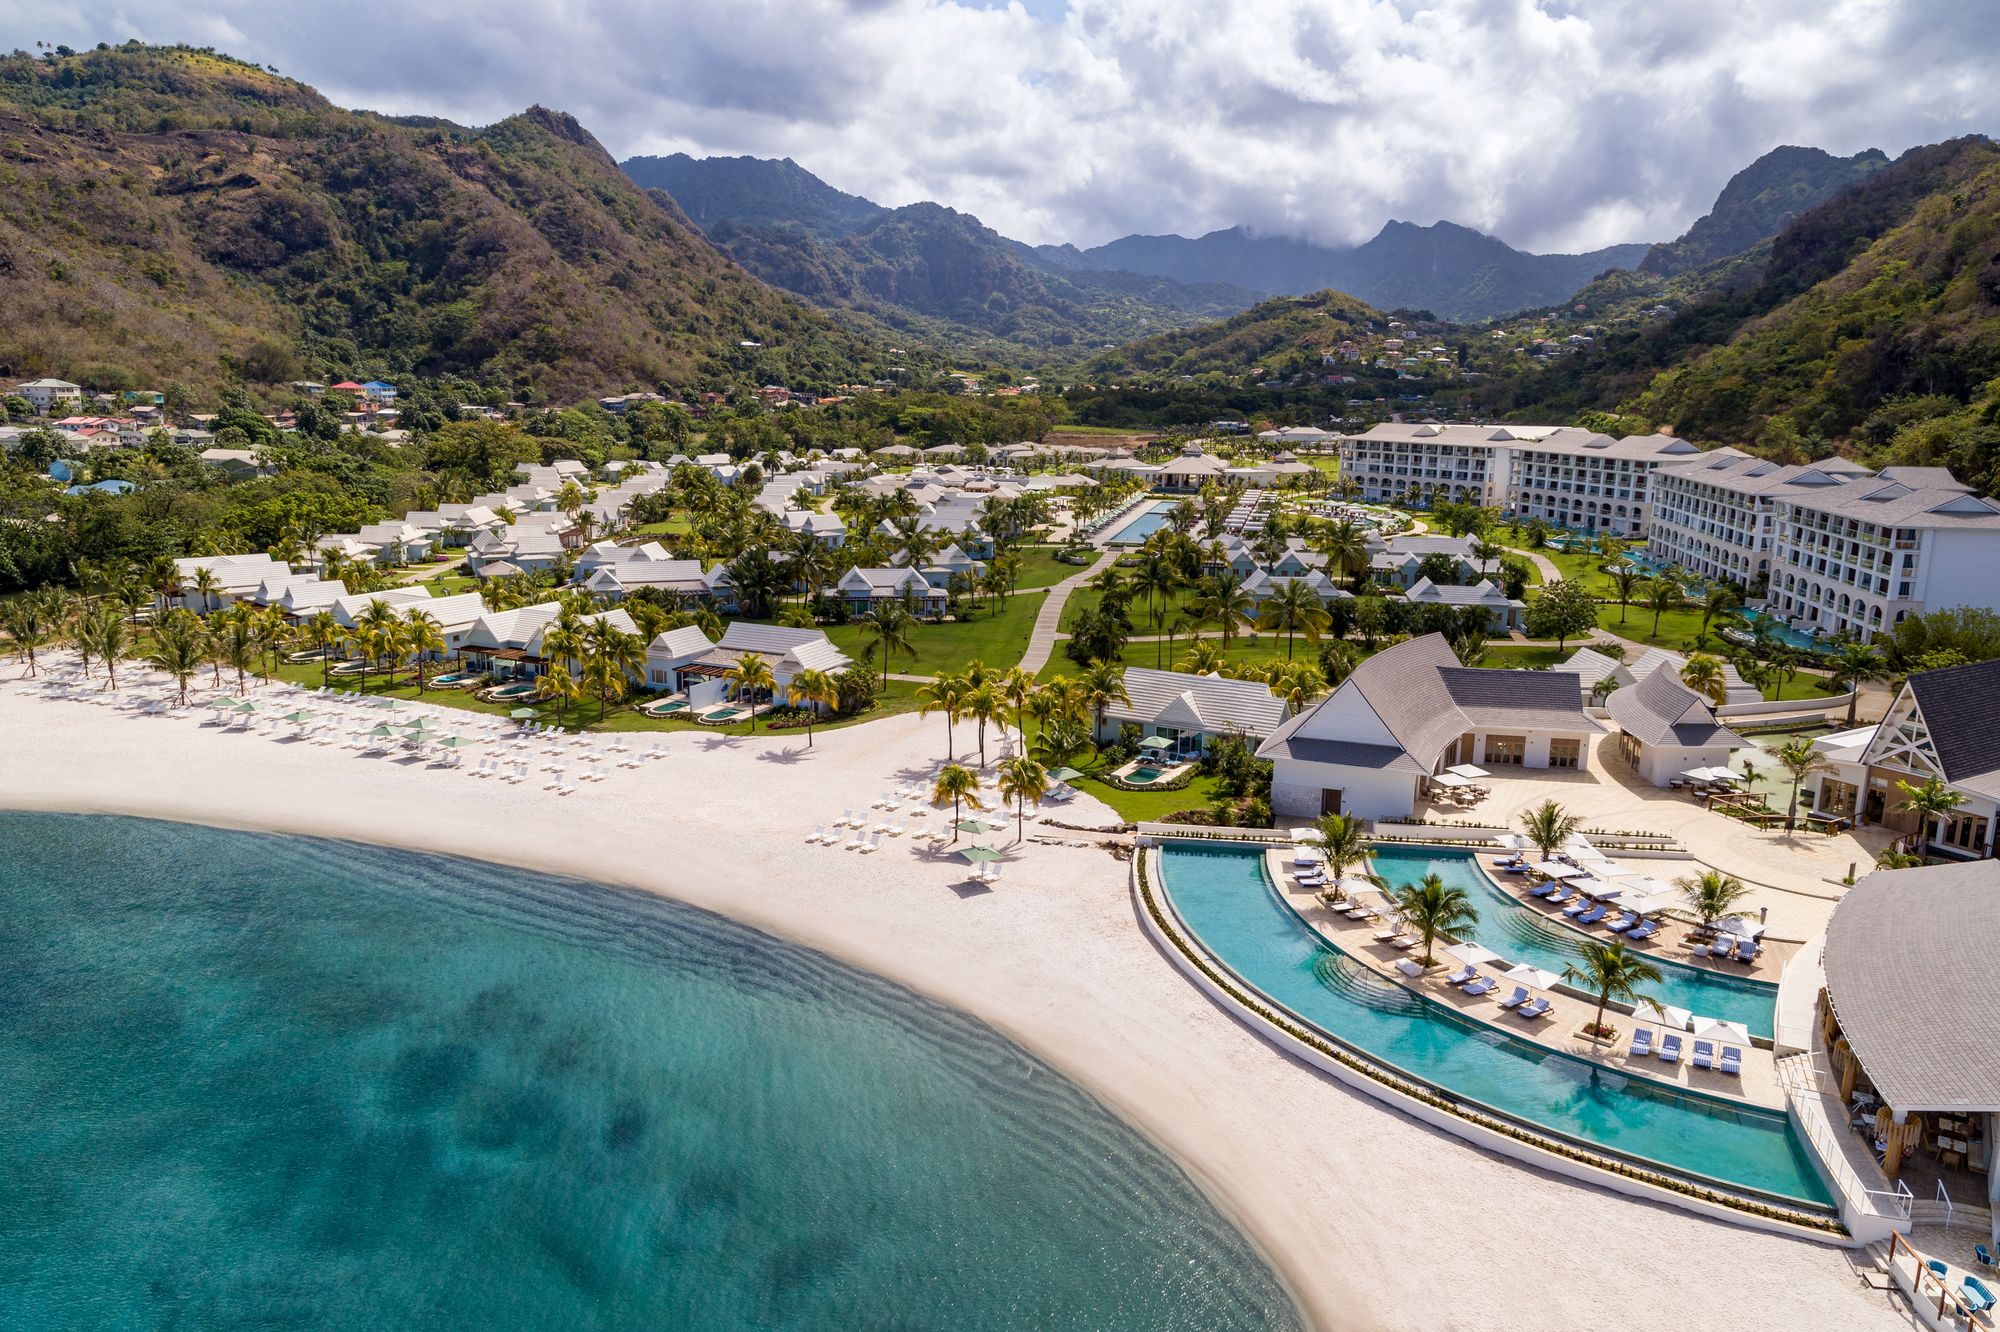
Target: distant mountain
1758, 202
1873, 323
1453, 271
1283, 335
174, 214
923, 270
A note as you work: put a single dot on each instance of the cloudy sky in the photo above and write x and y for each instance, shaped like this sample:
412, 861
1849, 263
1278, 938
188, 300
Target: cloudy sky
1560, 125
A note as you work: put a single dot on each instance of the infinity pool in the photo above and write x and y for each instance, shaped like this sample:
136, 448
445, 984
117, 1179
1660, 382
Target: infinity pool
1224, 896
1143, 526
1520, 934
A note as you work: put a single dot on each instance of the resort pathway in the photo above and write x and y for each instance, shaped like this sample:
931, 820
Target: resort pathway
1042, 642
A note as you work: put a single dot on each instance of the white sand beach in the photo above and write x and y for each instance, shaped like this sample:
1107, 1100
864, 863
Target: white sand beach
1374, 1220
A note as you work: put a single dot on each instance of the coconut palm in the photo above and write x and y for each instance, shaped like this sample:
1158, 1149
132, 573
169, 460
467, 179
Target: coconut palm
1203, 658
1613, 971
1021, 780
1931, 801
958, 785
1298, 684
1853, 665
1662, 594
1799, 760
32, 622
210, 589
1433, 908
1102, 685
179, 649
1342, 841
1548, 825
1603, 689
1703, 674
1346, 550
1225, 603
1015, 685
322, 632
236, 645
1626, 581
944, 692
558, 682
1156, 579
1711, 895
983, 703
751, 675
888, 627
1294, 608
108, 633
1719, 604
812, 688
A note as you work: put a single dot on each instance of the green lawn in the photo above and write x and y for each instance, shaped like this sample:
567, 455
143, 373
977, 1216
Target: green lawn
676, 526
1149, 806
1041, 568
1269, 649
994, 636
1525, 658
1140, 609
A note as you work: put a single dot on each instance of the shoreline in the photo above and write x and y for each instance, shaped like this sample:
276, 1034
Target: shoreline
1315, 1176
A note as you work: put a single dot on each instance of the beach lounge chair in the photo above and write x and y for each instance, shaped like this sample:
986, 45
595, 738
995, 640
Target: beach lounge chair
1542, 889
1516, 999
1642, 1043
1746, 950
1386, 934
1481, 985
1592, 916
818, 834
1623, 923
874, 844
1732, 1060
1405, 941
1409, 967
1577, 908
992, 874
1645, 929
1560, 895
856, 842
1534, 1008
1461, 976
1670, 1049
1704, 1054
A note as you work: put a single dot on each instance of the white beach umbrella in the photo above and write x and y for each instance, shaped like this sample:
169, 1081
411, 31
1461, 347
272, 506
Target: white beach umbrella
1664, 1015
1555, 869
1717, 1029
1740, 927
1468, 770
1451, 781
1533, 977
1472, 954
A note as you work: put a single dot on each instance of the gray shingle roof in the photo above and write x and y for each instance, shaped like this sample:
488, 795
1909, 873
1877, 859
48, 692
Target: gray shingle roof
1531, 700
1909, 967
1962, 717
1660, 710
1221, 705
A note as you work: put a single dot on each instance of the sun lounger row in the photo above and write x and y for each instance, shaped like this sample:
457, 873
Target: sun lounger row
1668, 1049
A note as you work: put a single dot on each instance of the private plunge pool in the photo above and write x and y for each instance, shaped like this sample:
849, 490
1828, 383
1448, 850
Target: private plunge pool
1225, 899
1520, 934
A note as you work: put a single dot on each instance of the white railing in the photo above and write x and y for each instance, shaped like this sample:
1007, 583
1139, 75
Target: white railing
1807, 1075
1203, 832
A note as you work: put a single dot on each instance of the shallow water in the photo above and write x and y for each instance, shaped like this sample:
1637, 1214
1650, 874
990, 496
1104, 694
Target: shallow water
268, 1082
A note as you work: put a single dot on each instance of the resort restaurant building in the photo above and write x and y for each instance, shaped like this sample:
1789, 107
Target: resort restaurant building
1906, 1022
1191, 711
1411, 711
1943, 724
1666, 729
686, 661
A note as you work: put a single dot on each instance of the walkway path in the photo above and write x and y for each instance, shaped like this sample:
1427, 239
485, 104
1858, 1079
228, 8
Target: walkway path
1042, 642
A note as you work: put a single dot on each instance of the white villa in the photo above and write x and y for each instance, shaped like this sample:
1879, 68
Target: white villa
1667, 728
864, 589
1594, 666
686, 661
1192, 710
1411, 711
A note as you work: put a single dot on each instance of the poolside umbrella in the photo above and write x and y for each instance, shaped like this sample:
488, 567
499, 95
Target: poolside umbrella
977, 826
1064, 775
1156, 742
222, 703
1472, 954
1532, 977
419, 724
1557, 870
248, 705
1717, 1029
1468, 770
979, 855
523, 714
299, 716
388, 704
1663, 1015
456, 742
382, 732
1740, 927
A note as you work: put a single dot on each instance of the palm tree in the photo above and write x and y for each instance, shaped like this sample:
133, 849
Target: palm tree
108, 633
1719, 603
1157, 579
560, 683
425, 634
983, 703
1433, 909
1799, 760
1224, 603
178, 649
888, 626
1346, 550
1103, 684
751, 675
1298, 684
1603, 689
959, 785
1203, 658
1295, 608
1548, 825
236, 645
210, 588
1663, 594
1703, 674
1932, 800
1613, 970
1021, 780
31, 622
1854, 664
1625, 581
1711, 895
813, 688
945, 692
1342, 841
376, 628
1015, 685
322, 632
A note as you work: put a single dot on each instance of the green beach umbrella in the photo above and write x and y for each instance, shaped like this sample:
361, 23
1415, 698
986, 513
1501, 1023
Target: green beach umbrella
1156, 742
524, 714
456, 742
299, 716
977, 826
420, 724
248, 705
1064, 775
388, 704
222, 703
382, 732
979, 855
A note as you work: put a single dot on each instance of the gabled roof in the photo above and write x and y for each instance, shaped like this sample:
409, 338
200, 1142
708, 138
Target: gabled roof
773, 639
1482, 593
1660, 710
1198, 702
1961, 711
682, 644
1531, 700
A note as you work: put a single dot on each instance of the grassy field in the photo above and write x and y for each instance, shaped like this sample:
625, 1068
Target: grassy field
1524, 658
1149, 806
994, 636
1041, 568
1268, 650
1139, 608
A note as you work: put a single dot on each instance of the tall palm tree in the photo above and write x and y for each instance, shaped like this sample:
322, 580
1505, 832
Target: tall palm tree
960, 786
210, 588
1703, 674
1294, 608
1156, 579
112, 637
812, 688
1548, 825
321, 632
944, 692
559, 682
424, 635
1346, 550
1298, 683
887, 626
1224, 603
983, 703
1102, 685
1719, 604
1342, 841
236, 645
1021, 780
1626, 581
1613, 970
1799, 760
1930, 802
32, 622
1433, 908
1015, 685
1662, 595
178, 649
751, 675
1853, 665
1711, 895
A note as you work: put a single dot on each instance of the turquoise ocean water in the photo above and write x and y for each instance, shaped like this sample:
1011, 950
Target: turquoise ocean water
259, 1082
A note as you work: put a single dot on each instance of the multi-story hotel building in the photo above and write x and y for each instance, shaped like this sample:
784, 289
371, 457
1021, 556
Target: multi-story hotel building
1565, 476
1716, 517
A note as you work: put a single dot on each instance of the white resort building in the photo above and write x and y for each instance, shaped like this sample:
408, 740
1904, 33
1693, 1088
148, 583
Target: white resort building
1409, 712
686, 661
1192, 710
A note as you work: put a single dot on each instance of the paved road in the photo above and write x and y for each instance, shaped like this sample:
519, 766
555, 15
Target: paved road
1042, 642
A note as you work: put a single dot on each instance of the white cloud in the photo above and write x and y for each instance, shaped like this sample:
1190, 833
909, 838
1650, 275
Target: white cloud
1555, 125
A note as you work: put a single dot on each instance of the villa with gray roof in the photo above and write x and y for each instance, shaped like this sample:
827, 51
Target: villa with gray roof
686, 661
1667, 729
1409, 712
1192, 710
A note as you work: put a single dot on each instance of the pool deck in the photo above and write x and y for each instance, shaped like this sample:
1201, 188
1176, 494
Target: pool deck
1561, 1030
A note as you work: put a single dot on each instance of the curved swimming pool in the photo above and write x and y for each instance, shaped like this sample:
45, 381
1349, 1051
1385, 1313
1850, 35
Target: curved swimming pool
1519, 933
1224, 896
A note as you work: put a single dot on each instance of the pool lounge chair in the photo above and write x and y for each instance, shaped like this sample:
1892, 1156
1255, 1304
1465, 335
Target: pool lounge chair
1623, 923
1516, 999
1746, 950
1645, 929
1592, 916
1704, 1054
1462, 975
1670, 1049
1409, 967
1577, 908
1542, 889
1559, 896
1642, 1043
1405, 941
1481, 985
1732, 1060
1534, 1008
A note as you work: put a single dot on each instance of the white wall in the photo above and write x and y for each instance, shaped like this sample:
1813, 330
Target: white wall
1660, 764
1955, 568
1371, 793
